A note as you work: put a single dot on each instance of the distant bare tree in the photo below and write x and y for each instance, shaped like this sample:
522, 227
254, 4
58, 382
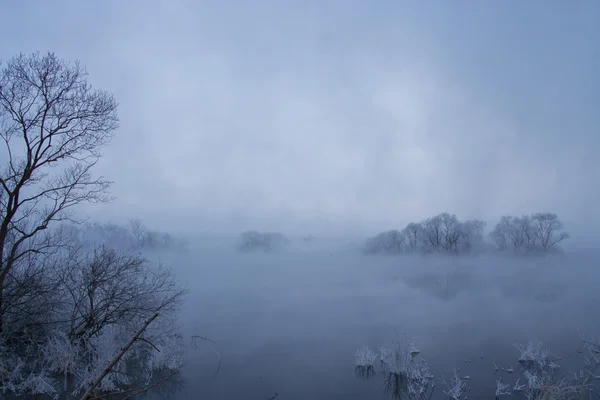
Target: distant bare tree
539, 232
500, 235
523, 235
432, 234
413, 234
451, 231
261, 241
471, 235
392, 241
138, 230
546, 228
53, 125
514, 232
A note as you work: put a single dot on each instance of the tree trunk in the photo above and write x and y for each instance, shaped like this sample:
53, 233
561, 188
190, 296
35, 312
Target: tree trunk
1, 305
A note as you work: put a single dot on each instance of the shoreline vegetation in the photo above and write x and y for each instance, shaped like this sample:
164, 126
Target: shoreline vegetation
406, 374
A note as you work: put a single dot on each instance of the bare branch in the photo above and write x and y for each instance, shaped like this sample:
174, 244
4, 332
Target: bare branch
49, 117
149, 342
92, 387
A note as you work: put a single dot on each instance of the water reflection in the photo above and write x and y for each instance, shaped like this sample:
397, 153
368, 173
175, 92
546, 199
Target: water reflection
290, 324
533, 289
444, 285
405, 376
365, 372
167, 386
397, 387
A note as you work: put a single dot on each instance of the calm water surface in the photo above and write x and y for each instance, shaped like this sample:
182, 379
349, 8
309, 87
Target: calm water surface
289, 324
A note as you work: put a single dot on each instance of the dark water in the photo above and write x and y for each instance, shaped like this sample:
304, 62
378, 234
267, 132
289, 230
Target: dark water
289, 324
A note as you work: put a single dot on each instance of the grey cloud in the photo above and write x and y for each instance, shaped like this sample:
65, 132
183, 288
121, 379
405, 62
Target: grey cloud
336, 114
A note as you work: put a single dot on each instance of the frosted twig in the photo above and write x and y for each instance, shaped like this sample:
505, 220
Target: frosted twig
517, 387
195, 345
456, 387
194, 337
149, 342
502, 389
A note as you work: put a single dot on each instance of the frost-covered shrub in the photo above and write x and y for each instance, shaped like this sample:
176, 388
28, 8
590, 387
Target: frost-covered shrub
105, 298
542, 380
261, 241
405, 375
457, 386
534, 356
365, 362
365, 357
409, 378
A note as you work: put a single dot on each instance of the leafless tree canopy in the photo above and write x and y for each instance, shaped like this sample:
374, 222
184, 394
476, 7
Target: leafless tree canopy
539, 232
441, 233
110, 287
68, 306
261, 241
53, 125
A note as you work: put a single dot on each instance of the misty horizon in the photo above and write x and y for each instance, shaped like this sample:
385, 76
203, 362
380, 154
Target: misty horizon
333, 118
318, 200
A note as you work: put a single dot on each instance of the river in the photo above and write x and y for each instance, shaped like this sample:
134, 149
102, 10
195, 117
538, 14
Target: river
287, 325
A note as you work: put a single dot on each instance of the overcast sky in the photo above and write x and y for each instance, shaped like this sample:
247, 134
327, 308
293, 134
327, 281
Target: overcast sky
326, 115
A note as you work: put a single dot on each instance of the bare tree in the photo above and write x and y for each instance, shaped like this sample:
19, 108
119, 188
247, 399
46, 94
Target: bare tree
470, 235
521, 234
392, 241
441, 232
515, 232
500, 235
546, 228
261, 241
53, 125
538, 232
451, 233
138, 231
105, 295
112, 287
413, 234
432, 233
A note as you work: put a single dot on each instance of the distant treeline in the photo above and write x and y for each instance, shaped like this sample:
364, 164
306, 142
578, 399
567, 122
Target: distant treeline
134, 235
445, 233
261, 241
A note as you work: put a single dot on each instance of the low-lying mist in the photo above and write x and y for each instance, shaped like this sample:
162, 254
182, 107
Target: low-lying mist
290, 322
